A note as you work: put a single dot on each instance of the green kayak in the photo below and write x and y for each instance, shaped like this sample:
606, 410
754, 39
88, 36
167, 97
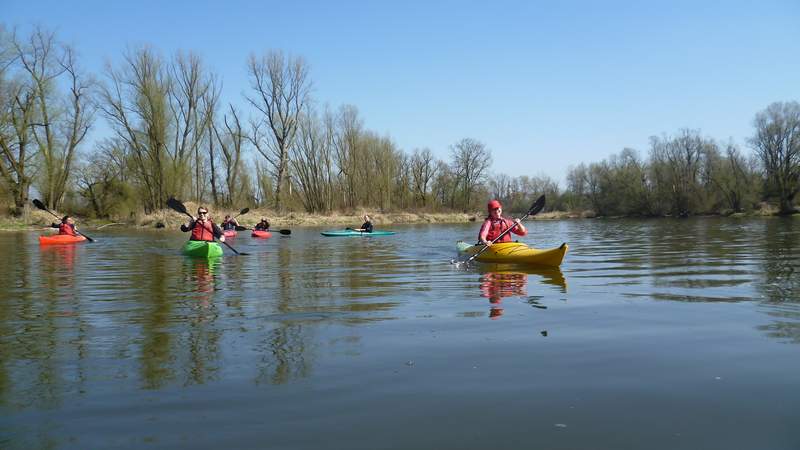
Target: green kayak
356, 233
202, 249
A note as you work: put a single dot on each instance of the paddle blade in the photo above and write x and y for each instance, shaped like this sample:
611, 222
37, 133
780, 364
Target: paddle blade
537, 206
38, 203
176, 204
244, 211
285, 232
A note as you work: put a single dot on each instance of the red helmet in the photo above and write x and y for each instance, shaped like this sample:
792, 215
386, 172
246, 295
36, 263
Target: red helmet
494, 204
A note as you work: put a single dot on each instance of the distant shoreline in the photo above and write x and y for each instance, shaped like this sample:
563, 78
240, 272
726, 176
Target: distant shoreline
38, 220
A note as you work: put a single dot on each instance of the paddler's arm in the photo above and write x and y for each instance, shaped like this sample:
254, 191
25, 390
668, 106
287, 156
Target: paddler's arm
187, 226
520, 228
483, 233
217, 232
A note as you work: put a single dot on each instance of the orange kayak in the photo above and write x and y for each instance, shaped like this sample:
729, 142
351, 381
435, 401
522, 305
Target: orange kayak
60, 239
261, 234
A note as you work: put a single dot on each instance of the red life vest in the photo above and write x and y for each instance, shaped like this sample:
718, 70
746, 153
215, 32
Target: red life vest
202, 232
66, 228
496, 228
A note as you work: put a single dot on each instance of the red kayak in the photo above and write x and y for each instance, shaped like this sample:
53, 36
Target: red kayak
261, 234
229, 233
59, 239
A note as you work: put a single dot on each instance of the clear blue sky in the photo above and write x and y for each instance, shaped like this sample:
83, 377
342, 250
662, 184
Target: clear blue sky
545, 85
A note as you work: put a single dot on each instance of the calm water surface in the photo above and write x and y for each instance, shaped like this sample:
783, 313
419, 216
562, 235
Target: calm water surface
660, 334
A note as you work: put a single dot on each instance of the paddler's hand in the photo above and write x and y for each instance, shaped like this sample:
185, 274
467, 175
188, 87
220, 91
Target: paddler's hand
518, 222
222, 238
487, 243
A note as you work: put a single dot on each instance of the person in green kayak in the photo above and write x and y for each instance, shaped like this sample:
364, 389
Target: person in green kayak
229, 223
495, 224
366, 227
202, 228
263, 225
67, 226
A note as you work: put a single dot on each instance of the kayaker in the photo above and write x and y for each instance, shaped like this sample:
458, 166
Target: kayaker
229, 223
67, 226
263, 225
202, 228
366, 227
495, 224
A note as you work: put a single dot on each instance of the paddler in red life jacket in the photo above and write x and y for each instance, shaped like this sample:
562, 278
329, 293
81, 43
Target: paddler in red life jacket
495, 224
67, 226
202, 228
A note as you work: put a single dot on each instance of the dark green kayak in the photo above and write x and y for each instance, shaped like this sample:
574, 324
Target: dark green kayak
332, 233
202, 249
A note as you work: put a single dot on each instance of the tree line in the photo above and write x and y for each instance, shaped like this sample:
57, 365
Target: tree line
170, 133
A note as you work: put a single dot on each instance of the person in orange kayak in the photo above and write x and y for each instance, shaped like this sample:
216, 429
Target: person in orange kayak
263, 225
67, 226
202, 228
495, 224
229, 223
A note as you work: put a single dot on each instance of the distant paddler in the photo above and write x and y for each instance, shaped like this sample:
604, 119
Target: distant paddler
230, 223
263, 225
66, 227
366, 227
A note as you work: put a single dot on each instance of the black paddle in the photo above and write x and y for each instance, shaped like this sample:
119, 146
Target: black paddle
41, 206
535, 208
244, 211
181, 208
284, 232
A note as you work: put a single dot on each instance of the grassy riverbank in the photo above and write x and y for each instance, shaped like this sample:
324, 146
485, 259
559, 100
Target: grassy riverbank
36, 219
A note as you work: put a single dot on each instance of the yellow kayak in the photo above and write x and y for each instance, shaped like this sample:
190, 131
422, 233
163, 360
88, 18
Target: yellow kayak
516, 252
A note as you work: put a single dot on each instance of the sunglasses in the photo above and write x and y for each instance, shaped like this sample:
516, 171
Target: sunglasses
202, 212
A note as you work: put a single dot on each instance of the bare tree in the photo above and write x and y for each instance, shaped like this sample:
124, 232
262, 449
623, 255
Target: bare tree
349, 129
17, 109
777, 144
471, 160
281, 89
35, 111
231, 143
312, 161
135, 102
423, 171
192, 100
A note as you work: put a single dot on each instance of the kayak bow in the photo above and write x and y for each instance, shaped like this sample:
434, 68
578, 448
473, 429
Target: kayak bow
202, 249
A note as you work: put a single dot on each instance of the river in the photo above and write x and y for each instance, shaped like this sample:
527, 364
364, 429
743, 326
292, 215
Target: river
656, 334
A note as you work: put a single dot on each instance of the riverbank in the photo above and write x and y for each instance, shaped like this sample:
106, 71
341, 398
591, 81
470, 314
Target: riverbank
169, 219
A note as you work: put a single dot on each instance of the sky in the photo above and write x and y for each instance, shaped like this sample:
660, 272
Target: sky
545, 85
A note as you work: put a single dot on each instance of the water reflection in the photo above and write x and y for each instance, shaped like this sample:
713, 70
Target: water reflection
105, 323
499, 281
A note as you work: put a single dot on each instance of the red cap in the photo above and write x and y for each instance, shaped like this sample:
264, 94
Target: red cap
494, 204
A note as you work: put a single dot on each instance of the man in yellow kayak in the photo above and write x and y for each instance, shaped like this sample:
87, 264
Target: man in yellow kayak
495, 224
